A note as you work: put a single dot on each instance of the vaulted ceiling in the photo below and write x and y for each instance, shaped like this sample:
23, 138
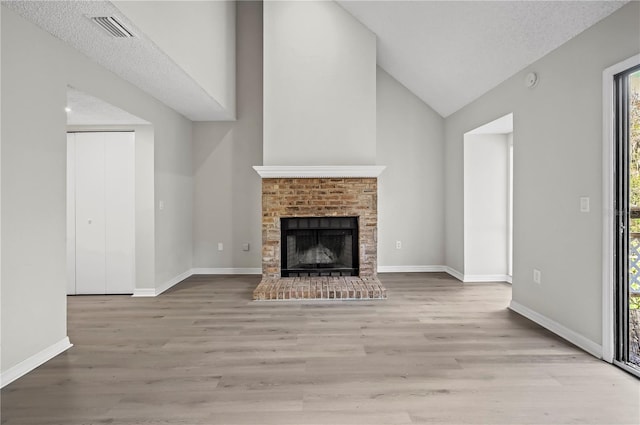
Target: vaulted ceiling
448, 53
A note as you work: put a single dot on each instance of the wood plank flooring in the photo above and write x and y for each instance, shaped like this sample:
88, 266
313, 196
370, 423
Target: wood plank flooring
434, 352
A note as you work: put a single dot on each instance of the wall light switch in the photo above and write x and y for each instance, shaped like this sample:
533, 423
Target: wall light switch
161, 205
537, 276
584, 204
398, 244
245, 247
220, 246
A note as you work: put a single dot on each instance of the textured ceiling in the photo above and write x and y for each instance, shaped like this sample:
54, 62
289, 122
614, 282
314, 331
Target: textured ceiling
449, 53
89, 110
136, 60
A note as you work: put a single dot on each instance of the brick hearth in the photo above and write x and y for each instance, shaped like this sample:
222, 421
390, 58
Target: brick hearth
319, 288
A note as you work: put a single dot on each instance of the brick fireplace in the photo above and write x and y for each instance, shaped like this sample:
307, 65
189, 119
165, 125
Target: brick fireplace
316, 193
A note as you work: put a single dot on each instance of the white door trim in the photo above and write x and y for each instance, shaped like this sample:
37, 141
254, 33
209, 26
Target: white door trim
608, 211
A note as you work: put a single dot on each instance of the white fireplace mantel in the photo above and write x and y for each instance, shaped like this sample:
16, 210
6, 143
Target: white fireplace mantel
318, 171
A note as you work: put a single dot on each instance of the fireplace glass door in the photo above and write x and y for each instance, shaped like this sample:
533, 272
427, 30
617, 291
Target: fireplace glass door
319, 246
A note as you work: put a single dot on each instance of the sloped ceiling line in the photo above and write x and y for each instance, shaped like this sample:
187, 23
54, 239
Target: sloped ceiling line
449, 53
137, 60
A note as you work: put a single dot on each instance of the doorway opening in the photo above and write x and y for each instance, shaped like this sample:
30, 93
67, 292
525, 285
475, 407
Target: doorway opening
488, 202
109, 197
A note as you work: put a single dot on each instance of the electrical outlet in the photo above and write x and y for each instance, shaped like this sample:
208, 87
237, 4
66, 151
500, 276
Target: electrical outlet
220, 246
398, 244
537, 276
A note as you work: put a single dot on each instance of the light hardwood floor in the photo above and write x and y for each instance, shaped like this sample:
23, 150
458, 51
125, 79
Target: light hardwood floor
434, 352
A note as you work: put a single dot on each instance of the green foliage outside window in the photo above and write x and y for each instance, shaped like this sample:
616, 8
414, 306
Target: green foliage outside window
634, 174
634, 151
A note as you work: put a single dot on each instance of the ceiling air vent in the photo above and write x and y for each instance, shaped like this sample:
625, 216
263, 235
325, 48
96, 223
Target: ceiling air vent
112, 26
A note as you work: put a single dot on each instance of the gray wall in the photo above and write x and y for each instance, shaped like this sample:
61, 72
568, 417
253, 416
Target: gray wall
227, 202
319, 86
36, 69
557, 159
411, 191
33, 291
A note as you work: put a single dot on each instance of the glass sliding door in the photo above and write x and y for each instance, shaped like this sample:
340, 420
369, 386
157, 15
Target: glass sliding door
627, 288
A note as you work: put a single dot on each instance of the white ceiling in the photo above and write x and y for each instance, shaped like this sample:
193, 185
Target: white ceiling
502, 125
88, 110
136, 60
449, 53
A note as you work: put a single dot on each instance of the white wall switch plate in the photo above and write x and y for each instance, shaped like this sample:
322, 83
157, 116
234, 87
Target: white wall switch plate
245, 247
584, 204
398, 244
220, 246
537, 276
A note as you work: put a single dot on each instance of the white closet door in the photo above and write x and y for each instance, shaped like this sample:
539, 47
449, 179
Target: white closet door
101, 254
90, 213
119, 212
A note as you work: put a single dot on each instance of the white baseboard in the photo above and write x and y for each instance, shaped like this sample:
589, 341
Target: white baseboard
430, 269
151, 292
410, 269
455, 273
230, 270
486, 278
477, 278
154, 292
172, 282
558, 329
144, 292
26, 366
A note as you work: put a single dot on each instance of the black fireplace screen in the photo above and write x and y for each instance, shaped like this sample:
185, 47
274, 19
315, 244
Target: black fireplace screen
319, 246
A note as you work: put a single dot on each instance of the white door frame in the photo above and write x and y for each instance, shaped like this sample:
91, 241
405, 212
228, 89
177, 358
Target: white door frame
608, 211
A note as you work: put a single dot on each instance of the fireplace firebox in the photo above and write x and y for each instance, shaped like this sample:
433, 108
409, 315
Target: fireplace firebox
319, 246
